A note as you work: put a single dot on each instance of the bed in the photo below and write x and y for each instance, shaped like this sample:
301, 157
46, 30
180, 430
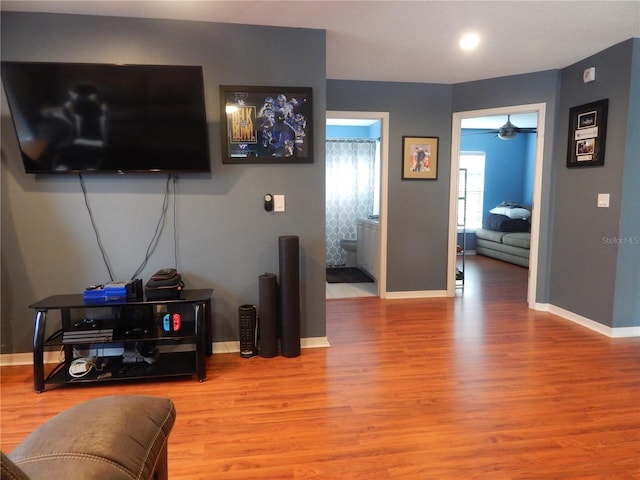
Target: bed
506, 234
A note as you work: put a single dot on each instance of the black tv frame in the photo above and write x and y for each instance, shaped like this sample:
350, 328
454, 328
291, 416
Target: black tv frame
140, 118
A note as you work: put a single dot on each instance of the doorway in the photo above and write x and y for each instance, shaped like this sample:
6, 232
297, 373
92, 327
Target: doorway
458, 118
382, 119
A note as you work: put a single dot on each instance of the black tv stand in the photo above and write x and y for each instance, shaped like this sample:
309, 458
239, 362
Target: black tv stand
122, 340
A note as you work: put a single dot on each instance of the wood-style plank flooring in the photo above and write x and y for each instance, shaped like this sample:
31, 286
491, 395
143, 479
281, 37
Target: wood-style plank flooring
475, 387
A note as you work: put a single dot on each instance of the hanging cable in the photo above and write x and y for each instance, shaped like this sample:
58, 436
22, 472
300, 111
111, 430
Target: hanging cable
175, 225
95, 228
156, 235
159, 226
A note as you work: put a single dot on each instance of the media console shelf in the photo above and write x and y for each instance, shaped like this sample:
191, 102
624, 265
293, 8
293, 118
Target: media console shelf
122, 340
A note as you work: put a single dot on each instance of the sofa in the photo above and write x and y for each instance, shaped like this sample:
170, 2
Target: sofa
118, 437
505, 233
509, 247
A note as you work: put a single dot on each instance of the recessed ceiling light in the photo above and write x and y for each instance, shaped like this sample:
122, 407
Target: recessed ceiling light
469, 41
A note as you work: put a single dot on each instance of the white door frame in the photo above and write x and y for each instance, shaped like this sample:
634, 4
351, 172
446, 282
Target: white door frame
383, 117
538, 108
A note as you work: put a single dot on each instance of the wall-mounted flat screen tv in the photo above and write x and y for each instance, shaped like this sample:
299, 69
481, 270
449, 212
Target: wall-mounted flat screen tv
81, 117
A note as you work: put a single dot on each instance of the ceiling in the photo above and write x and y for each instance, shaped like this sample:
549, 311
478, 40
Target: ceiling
409, 41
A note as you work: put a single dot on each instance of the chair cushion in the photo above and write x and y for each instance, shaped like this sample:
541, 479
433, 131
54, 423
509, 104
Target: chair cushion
9, 470
115, 437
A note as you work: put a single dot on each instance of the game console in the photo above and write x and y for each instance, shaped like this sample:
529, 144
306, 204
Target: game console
170, 322
126, 290
140, 352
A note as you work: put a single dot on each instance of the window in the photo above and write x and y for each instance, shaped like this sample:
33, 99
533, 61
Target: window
471, 190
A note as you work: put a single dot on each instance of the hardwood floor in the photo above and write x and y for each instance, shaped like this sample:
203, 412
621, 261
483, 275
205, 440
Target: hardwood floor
474, 387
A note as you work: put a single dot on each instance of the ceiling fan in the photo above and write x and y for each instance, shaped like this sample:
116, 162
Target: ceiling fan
507, 131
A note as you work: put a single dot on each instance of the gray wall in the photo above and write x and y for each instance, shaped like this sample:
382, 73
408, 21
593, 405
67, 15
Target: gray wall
626, 308
540, 87
226, 239
418, 211
577, 270
595, 250
418, 222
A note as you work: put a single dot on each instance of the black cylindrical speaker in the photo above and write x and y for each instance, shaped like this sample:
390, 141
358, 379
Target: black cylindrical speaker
289, 295
268, 314
247, 318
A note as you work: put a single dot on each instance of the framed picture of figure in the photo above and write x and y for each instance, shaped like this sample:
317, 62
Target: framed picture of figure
419, 158
266, 124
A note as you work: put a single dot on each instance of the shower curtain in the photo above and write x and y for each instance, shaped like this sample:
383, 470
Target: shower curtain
350, 190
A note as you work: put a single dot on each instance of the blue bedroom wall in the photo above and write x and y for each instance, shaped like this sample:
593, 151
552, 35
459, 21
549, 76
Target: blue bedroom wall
343, 131
529, 169
509, 166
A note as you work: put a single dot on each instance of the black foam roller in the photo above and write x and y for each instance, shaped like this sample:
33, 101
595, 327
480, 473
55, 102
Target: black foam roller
268, 319
289, 261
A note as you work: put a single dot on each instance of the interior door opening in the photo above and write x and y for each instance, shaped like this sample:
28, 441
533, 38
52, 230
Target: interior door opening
507, 118
356, 227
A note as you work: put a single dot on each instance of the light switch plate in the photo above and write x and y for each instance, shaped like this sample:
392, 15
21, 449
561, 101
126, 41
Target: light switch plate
603, 200
278, 203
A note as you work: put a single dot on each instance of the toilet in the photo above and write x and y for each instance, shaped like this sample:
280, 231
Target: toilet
350, 247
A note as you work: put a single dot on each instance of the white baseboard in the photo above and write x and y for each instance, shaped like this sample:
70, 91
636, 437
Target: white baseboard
616, 332
9, 359
415, 294
234, 346
12, 359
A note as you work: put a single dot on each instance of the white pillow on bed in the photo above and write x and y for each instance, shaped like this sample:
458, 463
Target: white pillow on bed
514, 213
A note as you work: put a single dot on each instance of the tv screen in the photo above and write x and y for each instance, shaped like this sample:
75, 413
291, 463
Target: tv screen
81, 117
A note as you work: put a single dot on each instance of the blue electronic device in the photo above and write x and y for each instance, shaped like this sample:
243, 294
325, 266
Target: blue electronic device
166, 323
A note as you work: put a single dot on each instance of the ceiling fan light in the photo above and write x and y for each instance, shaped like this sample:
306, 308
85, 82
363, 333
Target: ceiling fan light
508, 130
507, 135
